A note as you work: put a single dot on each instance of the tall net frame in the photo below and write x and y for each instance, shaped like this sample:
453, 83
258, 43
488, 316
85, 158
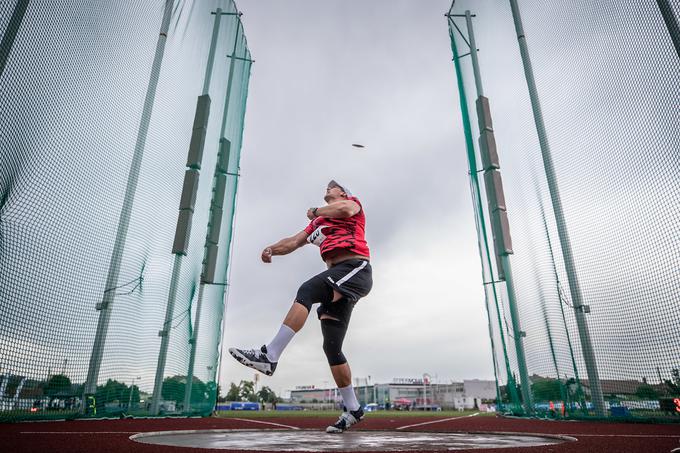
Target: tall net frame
607, 77
101, 125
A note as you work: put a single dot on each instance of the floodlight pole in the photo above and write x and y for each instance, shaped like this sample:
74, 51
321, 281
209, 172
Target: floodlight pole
580, 309
505, 257
105, 306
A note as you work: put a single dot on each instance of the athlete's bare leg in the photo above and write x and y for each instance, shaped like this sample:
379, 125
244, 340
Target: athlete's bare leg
297, 314
296, 317
342, 375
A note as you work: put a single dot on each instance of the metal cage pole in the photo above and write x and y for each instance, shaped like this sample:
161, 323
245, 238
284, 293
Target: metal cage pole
504, 256
227, 268
482, 241
105, 306
11, 32
214, 226
186, 209
671, 23
580, 309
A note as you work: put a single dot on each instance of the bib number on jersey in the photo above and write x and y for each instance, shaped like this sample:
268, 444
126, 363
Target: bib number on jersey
317, 237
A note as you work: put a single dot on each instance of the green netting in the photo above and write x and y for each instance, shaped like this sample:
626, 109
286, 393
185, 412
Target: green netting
608, 80
97, 106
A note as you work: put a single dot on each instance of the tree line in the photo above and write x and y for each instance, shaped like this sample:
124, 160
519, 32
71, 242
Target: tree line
245, 391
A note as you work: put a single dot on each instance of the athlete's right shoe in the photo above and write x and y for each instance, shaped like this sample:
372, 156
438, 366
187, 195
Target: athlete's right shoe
255, 358
347, 419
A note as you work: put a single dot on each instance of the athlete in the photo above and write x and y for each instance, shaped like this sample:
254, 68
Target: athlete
338, 230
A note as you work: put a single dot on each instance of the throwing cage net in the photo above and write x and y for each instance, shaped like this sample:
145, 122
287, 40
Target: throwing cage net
576, 105
120, 146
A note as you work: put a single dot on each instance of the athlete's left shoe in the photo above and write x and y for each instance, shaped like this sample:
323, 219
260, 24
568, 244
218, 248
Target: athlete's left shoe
255, 358
347, 419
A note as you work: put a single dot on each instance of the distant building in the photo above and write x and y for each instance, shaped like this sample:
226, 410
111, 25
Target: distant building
407, 394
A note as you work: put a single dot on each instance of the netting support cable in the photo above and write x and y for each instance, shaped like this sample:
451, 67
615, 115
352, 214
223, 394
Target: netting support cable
462, 36
124, 222
577, 300
671, 23
241, 58
186, 209
518, 334
11, 32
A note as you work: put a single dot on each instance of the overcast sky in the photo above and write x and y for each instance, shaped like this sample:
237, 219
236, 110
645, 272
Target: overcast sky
379, 73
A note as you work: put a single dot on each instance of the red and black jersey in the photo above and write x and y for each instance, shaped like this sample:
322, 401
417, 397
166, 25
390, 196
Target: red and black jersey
331, 234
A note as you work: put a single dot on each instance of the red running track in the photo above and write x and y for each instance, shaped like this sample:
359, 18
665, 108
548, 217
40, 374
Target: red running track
112, 436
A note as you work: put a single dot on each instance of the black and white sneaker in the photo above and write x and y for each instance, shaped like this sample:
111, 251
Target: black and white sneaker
255, 358
347, 419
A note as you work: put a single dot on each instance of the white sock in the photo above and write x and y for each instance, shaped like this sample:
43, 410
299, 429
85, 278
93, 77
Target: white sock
349, 398
279, 343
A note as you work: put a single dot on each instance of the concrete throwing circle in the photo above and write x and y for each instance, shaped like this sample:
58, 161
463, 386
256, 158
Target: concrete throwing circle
312, 440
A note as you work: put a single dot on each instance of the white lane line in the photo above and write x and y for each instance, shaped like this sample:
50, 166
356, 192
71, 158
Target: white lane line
78, 432
438, 421
264, 423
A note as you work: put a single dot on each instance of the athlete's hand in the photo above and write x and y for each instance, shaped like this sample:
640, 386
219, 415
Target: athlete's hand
267, 255
310, 214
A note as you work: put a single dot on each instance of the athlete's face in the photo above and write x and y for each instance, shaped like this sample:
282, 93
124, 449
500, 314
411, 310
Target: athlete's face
333, 193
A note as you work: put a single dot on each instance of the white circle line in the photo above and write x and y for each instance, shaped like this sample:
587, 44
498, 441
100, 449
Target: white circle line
437, 421
265, 423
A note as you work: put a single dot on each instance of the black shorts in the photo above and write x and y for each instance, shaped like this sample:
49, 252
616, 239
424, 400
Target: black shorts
352, 278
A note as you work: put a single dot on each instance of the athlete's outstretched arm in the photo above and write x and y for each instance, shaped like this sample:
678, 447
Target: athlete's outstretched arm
338, 210
284, 246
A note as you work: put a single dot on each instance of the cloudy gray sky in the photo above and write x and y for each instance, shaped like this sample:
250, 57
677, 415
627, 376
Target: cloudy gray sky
379, 73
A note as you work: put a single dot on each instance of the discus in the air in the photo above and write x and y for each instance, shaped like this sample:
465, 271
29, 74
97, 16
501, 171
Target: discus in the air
357, 145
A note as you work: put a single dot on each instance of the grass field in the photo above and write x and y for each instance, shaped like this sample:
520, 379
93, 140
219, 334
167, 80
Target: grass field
335, 413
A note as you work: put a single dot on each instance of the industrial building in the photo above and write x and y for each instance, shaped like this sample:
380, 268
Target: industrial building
407, 393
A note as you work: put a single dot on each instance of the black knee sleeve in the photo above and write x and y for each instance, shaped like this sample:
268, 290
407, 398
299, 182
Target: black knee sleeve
313, 291
333, 335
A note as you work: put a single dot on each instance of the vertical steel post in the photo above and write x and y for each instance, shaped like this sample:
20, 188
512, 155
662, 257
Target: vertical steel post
505, 259
192, 354
518, 337
170, 308
11, 32
106, 304
227, 268
577, 299
165, 336
482, 242
217, 173
671, 23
